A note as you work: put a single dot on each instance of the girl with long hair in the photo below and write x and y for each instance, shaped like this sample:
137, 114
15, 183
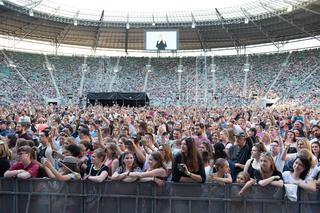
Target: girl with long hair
112, 156
128, 165
188, 165
254, 163
156, 172
299, 174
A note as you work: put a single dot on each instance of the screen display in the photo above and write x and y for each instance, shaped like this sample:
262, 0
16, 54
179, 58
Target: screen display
161, 40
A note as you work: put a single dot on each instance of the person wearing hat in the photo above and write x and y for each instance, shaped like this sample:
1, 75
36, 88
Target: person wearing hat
69, 169
4, 131
240, 152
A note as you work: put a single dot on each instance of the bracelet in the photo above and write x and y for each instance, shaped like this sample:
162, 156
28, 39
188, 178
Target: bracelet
189, 174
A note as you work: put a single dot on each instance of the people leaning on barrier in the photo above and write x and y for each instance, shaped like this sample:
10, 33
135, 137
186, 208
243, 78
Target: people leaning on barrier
26, 166
268, 173
128, 165
69, 169
253, 163
156, 172
97, 171
243, 178
187, 165
222, 174
299, 174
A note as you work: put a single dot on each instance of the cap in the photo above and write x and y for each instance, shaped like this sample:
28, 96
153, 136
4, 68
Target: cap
240, 135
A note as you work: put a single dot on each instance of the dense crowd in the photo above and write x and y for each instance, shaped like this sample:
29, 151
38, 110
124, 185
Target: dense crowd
294, 75
275, 146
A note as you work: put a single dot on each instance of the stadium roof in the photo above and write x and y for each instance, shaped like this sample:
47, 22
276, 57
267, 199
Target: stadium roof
256, 22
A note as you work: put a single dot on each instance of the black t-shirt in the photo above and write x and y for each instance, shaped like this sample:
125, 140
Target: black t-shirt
177, 174
257, 175
92, 172
4, 165
243, 155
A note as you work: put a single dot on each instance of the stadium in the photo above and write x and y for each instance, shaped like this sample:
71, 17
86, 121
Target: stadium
212, 106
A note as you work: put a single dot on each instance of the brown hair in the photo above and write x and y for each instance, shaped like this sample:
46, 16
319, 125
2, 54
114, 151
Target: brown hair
167, 153
134, 160
192, 158
158, 158
261, 147
114, 150
29, 150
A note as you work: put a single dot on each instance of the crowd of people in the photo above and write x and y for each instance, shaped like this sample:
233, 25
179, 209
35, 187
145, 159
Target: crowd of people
274, 146
292, 76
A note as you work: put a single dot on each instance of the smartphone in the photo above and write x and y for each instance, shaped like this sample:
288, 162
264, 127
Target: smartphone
128, 142
180, 167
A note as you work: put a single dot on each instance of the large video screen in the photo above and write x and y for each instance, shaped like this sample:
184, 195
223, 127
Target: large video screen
161, 40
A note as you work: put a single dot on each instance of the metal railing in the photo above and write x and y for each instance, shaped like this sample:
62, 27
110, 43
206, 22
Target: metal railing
43, 195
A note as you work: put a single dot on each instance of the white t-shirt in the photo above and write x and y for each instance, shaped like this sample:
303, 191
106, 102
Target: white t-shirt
287, 178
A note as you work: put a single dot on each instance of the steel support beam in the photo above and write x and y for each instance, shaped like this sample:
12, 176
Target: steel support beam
97, 32
236, 43
271, 10
247, 15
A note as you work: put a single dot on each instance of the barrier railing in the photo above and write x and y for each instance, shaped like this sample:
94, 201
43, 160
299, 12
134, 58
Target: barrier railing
42, 195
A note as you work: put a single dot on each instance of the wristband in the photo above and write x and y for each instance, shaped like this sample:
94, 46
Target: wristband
189, 174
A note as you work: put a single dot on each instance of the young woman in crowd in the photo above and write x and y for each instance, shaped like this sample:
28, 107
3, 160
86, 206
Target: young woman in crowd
45, 149
167, 156
69, 169
315, 147
222, 174
121, 145
156, 171
243, 178
299, 174
5, 157
254, 162
268, 173
128, 165
188, 165
204, 146
97, 171
25, 167
111, 160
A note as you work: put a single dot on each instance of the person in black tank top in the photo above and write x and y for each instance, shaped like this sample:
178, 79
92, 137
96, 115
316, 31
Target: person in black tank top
254, 163
97, 171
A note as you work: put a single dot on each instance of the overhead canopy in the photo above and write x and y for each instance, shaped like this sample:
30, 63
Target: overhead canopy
119, 98
272, 25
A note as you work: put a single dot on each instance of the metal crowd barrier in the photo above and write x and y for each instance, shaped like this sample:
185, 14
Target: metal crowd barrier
43, 195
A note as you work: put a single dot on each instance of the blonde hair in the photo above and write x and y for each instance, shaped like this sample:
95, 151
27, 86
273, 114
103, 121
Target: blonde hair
306, 143
220, 163
4, 150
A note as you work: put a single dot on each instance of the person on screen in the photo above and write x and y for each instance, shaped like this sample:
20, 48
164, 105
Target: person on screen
161, 43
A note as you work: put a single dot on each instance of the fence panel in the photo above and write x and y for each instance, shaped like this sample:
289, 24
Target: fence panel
43, 195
